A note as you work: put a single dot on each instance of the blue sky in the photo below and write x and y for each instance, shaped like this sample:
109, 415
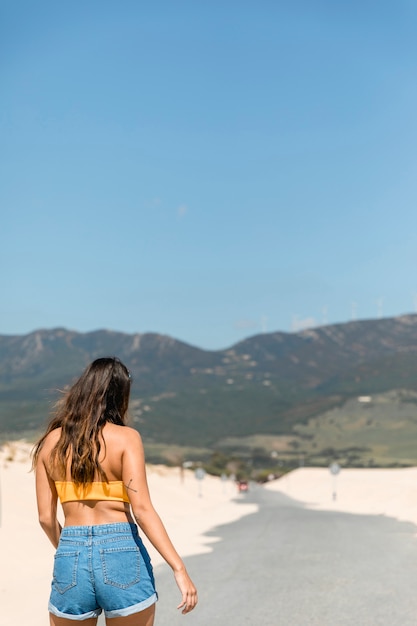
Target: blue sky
206, 170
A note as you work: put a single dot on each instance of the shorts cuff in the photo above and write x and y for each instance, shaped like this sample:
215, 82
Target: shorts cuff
82, 616
134, 608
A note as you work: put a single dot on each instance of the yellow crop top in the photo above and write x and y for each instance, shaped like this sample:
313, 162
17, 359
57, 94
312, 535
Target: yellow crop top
70, 492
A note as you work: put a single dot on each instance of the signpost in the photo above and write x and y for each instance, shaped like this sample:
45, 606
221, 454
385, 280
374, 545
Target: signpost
334, 471
200, 475
223, 478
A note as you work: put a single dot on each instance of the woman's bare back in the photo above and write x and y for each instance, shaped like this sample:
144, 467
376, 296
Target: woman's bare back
91, 512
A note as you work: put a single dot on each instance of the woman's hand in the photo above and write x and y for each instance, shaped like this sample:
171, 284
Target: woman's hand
188, 591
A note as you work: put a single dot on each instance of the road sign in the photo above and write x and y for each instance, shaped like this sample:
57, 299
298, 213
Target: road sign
200, 474
334, 471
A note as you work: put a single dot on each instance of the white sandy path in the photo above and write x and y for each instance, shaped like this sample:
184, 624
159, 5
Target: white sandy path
26, 555
391, 492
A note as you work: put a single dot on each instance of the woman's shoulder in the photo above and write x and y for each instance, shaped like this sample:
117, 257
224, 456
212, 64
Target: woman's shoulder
49, 443
52, 438
124, 434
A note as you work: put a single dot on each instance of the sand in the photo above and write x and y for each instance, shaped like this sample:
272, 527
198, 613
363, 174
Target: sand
390, 492
188, 507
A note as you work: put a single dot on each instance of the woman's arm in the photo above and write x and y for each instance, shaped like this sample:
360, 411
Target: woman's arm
134, 478
46, 497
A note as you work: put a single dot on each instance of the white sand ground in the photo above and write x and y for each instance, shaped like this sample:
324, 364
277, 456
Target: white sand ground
391, 492
189, 508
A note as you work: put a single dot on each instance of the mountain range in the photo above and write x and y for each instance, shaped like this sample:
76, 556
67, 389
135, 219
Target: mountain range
269, 384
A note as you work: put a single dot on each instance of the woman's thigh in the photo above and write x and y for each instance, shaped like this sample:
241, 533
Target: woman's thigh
143, 618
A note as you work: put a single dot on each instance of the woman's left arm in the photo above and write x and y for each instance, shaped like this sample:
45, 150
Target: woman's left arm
47, 498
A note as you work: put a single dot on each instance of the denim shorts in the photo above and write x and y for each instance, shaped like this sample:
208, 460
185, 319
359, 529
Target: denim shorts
104, 567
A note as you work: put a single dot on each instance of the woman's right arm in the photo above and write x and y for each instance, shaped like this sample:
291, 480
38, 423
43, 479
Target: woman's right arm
46, 497
134, 478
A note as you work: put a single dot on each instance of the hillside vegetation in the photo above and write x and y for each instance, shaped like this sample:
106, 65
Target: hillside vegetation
290, 397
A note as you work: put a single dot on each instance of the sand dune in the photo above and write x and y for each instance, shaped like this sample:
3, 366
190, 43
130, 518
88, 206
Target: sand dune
391, 492
187, 507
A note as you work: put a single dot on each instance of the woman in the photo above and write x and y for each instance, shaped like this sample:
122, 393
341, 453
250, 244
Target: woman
95, 464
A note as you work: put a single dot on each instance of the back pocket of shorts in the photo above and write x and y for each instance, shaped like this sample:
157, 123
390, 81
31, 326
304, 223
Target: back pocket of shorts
121, 566
65, 570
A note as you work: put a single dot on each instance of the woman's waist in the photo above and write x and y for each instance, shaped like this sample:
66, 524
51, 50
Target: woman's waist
99, 530
85, 514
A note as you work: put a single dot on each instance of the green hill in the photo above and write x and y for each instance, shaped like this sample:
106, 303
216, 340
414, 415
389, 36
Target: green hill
274, 386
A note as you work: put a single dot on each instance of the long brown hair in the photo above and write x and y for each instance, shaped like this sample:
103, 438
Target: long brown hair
100, 395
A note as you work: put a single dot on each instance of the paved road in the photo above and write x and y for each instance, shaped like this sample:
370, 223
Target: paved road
287, 565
